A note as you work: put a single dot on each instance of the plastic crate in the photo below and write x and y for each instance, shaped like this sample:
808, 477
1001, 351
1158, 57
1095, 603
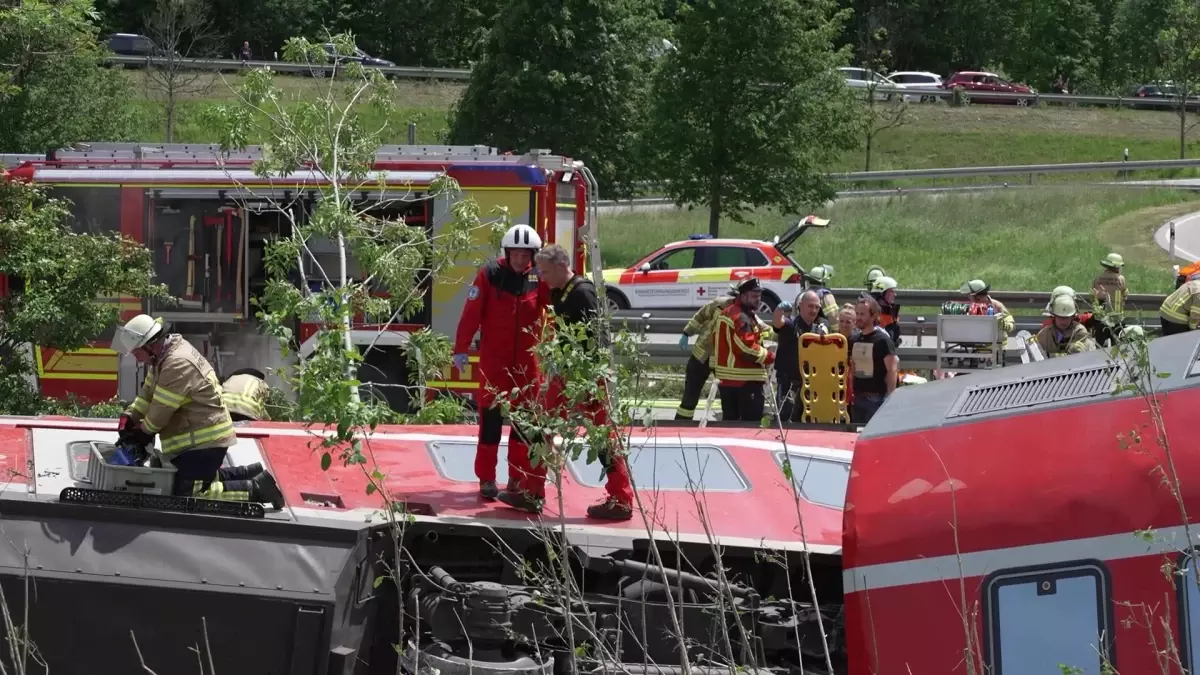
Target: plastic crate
139, 479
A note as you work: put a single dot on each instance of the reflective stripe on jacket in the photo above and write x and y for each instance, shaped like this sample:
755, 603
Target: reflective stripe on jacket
1183, 306
181, 401
701, 325
738, 353
1075, 340
245, 395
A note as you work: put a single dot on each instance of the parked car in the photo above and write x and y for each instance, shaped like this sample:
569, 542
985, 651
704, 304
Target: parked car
132, 44
916, 79
358, 56
864, 78
1164, 96
983, 82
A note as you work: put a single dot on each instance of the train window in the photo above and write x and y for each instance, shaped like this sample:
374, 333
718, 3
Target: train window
662, 466
1189, 610
455, 460
817, 479
1040, 620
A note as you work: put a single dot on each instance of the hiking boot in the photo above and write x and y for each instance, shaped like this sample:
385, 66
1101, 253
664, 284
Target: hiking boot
522, 501
488, 490
266, 490
247, 472
610, 510
513, 485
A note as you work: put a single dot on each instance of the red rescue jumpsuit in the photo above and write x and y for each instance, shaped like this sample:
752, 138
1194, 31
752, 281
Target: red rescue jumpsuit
575, 302
506, 308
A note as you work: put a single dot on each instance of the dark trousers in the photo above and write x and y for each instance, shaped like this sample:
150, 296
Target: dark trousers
865, 406
197, 470
1172, 328
786, 393
694, 377
742, 403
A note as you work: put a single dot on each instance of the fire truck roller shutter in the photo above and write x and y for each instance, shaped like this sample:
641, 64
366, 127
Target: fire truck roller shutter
452, 283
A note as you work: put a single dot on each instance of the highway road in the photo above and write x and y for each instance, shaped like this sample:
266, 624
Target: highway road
1187, 227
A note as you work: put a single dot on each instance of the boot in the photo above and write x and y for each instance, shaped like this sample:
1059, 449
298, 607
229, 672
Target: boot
488, 490
247, 472
513, 485
610, 509
522, 501
266, 490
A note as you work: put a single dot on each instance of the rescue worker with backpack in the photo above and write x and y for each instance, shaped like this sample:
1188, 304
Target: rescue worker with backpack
180, 401
698, 367
739, 357
245, 395
1064, 335
575, 301
504, 305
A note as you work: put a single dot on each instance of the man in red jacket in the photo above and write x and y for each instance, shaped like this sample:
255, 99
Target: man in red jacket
505, 305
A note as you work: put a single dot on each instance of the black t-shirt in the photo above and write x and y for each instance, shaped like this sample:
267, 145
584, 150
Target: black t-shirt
867, 351
787, 353
577, 302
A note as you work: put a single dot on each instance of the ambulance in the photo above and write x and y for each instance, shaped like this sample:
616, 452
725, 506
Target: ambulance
688, 274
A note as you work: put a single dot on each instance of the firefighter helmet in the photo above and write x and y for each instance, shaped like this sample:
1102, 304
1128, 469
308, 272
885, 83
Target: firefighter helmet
873, 273
1062, 290
749, 285
137, 333
975, 287
883, 284
1063, 306
521, 236
1113, 261
820, 274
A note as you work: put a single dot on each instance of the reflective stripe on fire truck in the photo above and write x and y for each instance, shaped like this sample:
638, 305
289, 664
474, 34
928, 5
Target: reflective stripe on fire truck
88, 363
690, 276
1165, 541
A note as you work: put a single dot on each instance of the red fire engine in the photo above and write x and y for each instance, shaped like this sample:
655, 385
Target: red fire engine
206, 218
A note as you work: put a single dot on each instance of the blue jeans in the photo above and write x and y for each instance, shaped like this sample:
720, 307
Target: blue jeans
865, 406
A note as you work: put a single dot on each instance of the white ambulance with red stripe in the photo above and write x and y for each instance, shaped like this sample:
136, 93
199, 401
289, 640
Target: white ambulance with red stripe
687, 274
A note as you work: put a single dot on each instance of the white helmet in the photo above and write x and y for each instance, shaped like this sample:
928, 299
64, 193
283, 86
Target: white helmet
521, 236
1063, 306
140, 330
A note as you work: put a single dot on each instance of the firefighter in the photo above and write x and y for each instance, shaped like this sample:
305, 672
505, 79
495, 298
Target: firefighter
873, 273
575, 300
1180, 312
978, 291
1182, 274
883, 290
1065, 335
818, 279
739, 358
698, 368
245, 395
181, 402
1109, 287
504, 305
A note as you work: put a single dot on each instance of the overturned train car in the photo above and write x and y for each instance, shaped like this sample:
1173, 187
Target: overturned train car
116, 580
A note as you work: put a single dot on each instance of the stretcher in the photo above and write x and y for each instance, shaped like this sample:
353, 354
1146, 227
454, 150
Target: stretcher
825, 379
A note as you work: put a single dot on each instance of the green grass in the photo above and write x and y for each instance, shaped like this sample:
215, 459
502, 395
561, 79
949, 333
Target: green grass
1032, 239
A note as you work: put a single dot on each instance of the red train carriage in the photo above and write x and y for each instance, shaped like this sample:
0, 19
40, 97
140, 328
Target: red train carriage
207, 227
1004, 509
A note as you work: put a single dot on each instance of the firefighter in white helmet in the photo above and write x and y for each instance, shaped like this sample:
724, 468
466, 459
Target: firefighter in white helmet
1064, 335
180, 401
504, 305
982, 303
245, 395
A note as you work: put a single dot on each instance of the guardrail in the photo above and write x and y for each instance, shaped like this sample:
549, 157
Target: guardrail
1017, 169
1037, 99
232, 65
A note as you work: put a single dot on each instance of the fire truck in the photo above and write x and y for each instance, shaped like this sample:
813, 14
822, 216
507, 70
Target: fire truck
207, 218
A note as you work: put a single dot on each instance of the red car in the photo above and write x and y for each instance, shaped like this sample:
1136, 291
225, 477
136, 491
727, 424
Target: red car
979, 81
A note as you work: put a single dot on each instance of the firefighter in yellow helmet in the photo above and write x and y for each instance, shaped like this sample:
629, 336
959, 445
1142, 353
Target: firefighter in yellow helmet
1109, 287
818, 279
1180, 312
245, 395
1064, 335
180, 401
873, 273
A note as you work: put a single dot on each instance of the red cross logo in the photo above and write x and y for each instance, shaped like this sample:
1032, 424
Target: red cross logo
700, 291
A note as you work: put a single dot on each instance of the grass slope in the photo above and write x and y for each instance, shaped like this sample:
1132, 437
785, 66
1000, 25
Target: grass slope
1027, 239
932, 135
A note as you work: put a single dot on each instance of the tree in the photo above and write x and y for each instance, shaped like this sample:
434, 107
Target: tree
54, 90
570, 76
1052, 38
750, 109
892, 113
55, 277
182, 31
1179, 45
